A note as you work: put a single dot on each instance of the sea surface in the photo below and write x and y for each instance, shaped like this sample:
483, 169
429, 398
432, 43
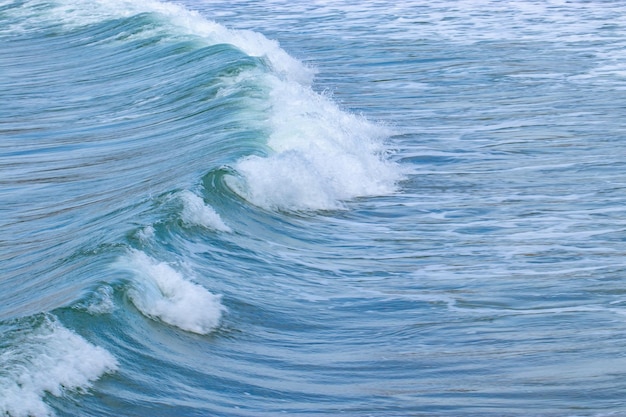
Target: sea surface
328, 207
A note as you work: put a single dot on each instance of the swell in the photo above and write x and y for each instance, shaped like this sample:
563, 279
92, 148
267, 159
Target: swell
135, 133
106, 112
93, 129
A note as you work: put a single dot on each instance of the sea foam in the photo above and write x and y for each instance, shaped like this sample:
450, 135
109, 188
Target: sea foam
196, 213
46, 358
162, 293
101, 301
319, 155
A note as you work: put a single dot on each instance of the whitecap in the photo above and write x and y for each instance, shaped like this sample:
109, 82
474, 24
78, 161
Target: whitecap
46, 358
146, 234
320, 156
162, 293
196, 213
100, 302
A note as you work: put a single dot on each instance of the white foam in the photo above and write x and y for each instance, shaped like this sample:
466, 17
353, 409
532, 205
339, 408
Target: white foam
161, 292
197, 213
320, 155
146, 234
100, 302
47, 359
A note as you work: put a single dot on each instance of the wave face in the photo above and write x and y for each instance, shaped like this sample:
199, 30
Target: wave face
421, 216
112, 105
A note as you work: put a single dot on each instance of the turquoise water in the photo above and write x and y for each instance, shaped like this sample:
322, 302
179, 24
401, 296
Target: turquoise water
260, 208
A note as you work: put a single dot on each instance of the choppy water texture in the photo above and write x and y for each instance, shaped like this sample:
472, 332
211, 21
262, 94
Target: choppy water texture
248, 208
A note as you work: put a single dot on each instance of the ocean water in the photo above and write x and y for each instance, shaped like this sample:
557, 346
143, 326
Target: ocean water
265, 207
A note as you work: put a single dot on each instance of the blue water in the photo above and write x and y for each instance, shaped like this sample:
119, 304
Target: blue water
260, 208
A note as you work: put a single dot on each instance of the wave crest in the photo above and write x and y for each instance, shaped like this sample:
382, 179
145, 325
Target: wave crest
196, 213
46, 358
161, 292
320, 156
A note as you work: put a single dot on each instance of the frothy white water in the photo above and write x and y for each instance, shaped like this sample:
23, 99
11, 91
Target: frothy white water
146, 234
161, 292
321, 155
197, 213
47, 359
100, 302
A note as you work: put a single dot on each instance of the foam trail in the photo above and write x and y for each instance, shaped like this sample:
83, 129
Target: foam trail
160, 292
47, 358
197, 213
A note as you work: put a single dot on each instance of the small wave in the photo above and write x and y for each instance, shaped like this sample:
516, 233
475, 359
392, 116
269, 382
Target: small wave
46, 358
197, 213
160, 292
100, 302
145, 234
